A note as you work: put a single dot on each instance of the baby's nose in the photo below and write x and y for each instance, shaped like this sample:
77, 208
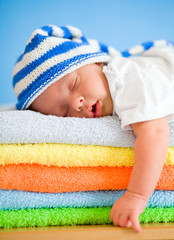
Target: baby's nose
77, 103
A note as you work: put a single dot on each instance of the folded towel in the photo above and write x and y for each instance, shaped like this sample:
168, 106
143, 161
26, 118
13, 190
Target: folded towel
11, 199
74, 216
71, 155
40, 178
18, 127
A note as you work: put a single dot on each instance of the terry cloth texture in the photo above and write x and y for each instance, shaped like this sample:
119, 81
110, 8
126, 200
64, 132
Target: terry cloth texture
59, 170
18, 127
11, 199
38, 178
74, 216
71, 155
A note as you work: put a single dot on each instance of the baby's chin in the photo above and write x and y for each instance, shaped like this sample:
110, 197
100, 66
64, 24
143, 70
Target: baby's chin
107, 112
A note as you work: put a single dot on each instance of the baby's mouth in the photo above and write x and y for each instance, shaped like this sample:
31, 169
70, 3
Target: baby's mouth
93, 108
96, 109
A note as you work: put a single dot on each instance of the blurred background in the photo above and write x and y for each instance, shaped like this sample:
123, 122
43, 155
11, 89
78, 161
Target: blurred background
119, 23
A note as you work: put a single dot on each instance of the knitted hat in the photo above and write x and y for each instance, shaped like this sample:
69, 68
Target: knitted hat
51, 53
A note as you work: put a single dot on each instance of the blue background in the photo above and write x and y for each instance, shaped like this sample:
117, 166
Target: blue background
119, 23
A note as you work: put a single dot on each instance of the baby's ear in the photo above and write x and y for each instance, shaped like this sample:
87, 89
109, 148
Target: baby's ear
100, 64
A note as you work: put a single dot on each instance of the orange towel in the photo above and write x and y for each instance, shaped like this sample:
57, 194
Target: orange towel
41, 178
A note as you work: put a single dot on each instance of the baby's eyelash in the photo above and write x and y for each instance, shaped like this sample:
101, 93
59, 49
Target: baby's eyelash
67, 112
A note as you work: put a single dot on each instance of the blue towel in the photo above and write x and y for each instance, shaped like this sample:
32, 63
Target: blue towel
12, 199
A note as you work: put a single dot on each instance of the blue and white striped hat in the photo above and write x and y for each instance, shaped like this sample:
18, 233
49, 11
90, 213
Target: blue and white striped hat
51, 53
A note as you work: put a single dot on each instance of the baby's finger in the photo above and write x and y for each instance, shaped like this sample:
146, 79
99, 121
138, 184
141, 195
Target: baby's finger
111, 214
129, 224
115, 219
123, 220
135, 222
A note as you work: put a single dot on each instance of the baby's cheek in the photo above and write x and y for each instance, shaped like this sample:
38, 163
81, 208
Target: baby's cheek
73, 113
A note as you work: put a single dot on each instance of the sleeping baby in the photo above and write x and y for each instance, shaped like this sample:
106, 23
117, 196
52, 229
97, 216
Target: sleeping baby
64, 74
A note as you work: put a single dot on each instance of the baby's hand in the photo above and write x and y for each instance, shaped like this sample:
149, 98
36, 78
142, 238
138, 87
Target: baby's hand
126, 210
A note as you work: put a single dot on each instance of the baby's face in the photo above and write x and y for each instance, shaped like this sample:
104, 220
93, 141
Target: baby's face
82, 93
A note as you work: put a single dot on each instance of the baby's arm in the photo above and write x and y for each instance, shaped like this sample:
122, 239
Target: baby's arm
149, 154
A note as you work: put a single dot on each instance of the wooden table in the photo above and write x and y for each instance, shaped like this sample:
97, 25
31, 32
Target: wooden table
95, 232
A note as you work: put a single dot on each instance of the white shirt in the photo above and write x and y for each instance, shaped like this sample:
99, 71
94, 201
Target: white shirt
142, 88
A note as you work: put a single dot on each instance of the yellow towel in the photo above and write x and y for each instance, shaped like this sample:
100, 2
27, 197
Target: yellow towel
67, 155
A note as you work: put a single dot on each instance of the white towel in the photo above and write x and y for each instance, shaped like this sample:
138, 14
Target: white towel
32, 127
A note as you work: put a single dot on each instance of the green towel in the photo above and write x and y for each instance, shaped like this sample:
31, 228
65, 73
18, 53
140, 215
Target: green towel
74, 216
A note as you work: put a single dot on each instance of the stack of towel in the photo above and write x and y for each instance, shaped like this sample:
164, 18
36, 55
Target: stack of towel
70, 171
